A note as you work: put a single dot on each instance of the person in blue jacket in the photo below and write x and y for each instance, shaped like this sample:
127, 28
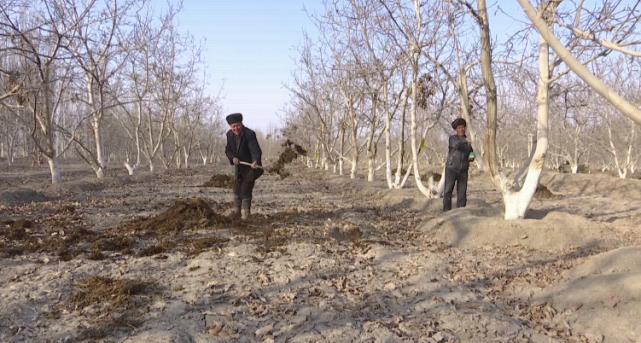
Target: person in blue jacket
242, 146
459, 156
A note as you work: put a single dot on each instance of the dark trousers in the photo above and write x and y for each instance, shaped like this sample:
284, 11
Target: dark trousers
244, 183
460, 178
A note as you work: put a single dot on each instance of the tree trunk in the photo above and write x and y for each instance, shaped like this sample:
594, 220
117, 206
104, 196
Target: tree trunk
371, 154
99, 168
517, 199
354, 138
417, 174
401, 147
186, 155
465, 111
388, 149
490, 93
517, 203
341, 166
100, 155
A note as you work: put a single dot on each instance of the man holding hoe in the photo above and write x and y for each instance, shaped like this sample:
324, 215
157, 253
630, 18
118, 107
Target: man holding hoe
244, 153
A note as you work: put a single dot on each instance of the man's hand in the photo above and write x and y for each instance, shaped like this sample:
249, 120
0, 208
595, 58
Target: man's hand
254, 165
235, 160
468, 140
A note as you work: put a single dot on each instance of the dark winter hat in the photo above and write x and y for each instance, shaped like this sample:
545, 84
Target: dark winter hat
458, 122
234, 118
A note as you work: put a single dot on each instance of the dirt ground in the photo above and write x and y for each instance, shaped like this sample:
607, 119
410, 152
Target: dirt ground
159, 258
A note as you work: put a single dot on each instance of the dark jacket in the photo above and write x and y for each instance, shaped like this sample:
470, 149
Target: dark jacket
247, 151
458, 154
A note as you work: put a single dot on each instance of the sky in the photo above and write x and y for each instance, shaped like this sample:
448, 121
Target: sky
251, 47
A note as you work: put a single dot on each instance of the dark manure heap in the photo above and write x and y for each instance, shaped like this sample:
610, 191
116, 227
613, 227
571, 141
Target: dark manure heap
220, 181
181, 215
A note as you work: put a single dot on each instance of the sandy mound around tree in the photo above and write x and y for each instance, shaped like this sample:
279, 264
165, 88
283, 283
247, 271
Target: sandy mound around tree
475, 228
606, 288
593, 184
20, 195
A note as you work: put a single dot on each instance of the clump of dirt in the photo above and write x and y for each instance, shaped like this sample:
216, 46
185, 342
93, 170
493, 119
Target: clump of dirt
289, 154
150, 251
66, 210
19, 224
118, 243
403, 171
543, 192
182, 215
78, 235
426, 177
297, 148
124, 323
16, 233
220, 181
22, 236
354, 234
96, 255
113, 293
194, 246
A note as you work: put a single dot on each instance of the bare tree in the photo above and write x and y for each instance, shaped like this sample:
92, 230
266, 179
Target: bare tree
43, 74
100, 48
627, 22
416, 34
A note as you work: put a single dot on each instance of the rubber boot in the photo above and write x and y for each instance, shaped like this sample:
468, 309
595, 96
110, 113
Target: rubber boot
245, 212
237, 206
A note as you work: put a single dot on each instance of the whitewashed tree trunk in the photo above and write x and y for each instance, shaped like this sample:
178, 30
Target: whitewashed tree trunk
54, 169
186, 155
131, 169
354, 139
440, 187
371, 154
371, 169
388, 149
517, 201
100, 154
516, 197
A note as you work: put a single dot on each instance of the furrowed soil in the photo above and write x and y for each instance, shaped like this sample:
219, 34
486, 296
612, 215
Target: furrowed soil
160, 258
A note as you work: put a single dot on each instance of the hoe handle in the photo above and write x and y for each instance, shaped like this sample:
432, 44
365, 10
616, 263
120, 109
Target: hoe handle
249, 164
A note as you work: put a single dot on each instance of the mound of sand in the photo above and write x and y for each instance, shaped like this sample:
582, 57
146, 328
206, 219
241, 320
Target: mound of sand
79, 186
603, 295
593, 184
412, 198
20, 195
475, 228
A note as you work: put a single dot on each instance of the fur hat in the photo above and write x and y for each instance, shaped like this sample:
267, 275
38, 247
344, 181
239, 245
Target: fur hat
458, 122
234, 118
